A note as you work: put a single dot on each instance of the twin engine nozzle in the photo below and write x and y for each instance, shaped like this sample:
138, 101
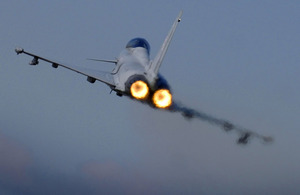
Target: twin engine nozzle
161, 98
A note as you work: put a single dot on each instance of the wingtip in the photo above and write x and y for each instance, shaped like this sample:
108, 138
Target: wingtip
268, 139
19, 50
179, 16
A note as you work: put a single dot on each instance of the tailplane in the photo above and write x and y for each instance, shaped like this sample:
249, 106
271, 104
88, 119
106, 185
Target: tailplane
100, 60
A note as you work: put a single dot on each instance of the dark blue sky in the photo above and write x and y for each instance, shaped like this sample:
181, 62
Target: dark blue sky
237, 60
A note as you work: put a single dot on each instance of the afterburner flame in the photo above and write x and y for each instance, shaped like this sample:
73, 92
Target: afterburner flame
139, 90
162, 98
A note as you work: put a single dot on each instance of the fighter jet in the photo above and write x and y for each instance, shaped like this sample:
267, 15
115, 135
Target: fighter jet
138, 77
134, 75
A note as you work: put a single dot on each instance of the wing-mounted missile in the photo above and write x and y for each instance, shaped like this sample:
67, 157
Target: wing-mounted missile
228, 126
244, 139
187, 114
34, 61
54, 65
91, 79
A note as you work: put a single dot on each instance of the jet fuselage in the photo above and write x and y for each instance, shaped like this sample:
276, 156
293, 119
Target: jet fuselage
134, 65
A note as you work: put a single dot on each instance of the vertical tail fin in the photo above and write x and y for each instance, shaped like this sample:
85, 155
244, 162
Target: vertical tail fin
156, 63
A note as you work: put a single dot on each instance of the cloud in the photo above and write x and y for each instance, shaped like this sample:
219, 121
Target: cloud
15, 163
110, 177
20, 174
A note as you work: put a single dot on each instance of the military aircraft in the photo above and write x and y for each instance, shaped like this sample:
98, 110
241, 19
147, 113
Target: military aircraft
138, 77
134, 75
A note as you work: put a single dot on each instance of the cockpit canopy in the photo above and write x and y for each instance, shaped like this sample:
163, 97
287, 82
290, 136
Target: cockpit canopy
139, 42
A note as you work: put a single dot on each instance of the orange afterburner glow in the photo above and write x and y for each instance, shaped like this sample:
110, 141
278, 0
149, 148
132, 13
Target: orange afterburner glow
139, 90
162, 98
